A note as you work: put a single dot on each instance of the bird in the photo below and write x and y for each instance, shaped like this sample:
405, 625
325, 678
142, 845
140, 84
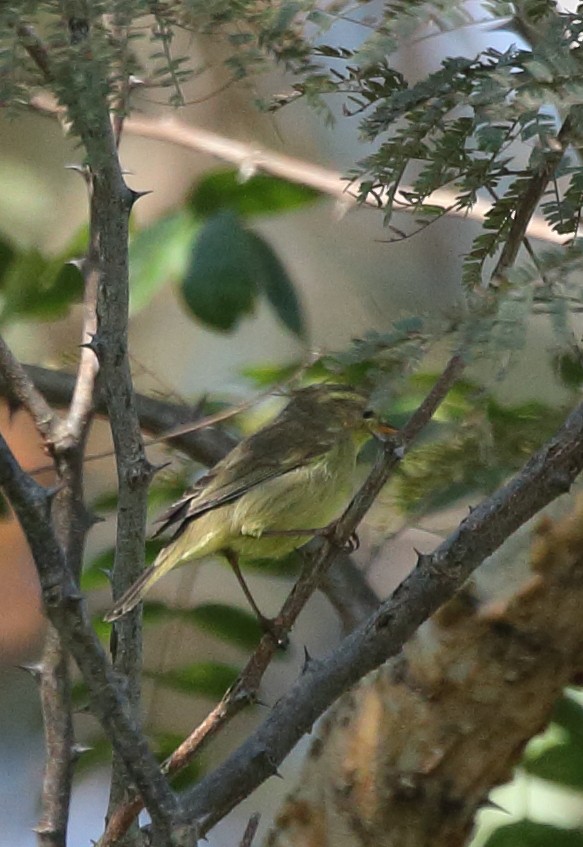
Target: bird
272, 492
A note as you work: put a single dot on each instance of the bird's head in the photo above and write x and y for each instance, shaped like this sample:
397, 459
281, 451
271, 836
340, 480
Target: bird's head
339, 408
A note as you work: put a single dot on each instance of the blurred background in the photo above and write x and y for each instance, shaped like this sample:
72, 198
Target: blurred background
349, 281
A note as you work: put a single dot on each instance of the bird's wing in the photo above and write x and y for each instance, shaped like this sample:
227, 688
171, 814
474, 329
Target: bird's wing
271, 452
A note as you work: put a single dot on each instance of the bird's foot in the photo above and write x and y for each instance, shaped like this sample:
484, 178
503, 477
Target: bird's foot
351, 544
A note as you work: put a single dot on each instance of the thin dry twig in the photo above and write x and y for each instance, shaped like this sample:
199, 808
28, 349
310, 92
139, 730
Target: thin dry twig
252, 158
66, 611
23, 391
529, 200
250, 830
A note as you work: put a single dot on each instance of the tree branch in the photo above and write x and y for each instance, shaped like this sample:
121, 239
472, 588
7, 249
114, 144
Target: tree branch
66, 611
251, 158
20, 389
480, 665
206, 446
548, 474
530, 200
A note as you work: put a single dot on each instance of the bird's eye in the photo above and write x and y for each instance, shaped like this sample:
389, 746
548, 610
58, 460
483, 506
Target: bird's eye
368, 414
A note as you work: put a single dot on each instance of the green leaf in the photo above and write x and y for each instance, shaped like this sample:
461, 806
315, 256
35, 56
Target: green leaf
277, 286
35, 287
259, 195
264, 375
527, 833
569, 369
7, 254
220, 284
159, 255
211, 679
228, 623
98, 753
568, 714
95, 574
561, 764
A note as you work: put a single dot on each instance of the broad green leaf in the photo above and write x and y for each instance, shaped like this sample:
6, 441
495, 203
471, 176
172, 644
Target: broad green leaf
259, 195
527, 833
220, 284
211, 679
228, 623
568, 714
277, 286
561, 764
159, 255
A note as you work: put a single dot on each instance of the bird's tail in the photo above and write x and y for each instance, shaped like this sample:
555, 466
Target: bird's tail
164, 562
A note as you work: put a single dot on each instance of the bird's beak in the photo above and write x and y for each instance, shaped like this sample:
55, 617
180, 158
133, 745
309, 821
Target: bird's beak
384, 430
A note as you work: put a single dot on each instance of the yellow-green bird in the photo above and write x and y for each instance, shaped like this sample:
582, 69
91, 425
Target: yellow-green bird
296, 473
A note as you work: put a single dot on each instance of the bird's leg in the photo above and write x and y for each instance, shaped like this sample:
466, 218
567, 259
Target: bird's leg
266, 624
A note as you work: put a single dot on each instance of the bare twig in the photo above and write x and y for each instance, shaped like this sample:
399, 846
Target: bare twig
530, 199
206, 446
55, 697
250, 830
21, 389
250, 158
36, 49
66, 611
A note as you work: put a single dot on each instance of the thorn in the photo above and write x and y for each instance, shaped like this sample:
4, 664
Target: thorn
94, 344
35, 670
14, 405
471, 509
154, 469
137, 195
78, 263
91, 518
495, 807
307, 660
82, 170
77, 751
423, 559
258, 702
52, 491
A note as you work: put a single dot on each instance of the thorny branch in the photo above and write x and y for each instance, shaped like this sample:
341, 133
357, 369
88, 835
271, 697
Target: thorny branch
548, 474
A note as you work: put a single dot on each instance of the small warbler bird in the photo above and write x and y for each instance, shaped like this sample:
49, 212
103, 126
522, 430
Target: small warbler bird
294, 474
